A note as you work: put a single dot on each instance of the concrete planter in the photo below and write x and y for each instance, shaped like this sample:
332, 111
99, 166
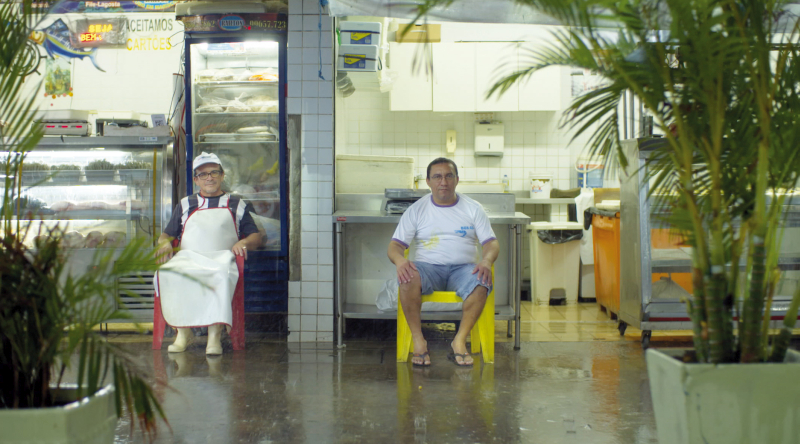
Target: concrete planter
727, 403
90, 420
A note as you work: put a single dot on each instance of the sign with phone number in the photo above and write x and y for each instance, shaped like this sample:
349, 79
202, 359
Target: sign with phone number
235, 22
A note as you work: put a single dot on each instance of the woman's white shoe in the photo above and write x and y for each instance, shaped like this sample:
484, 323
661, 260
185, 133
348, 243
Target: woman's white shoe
214, 346
182, 340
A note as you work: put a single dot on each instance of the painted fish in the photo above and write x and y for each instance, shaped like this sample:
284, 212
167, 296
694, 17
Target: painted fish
55, 40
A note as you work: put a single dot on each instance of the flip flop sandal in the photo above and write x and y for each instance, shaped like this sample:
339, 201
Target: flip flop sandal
452, 357
421, 355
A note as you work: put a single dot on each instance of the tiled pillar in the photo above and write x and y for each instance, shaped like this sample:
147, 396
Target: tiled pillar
310, 52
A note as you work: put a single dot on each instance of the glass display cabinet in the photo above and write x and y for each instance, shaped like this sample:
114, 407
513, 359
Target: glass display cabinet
655, 268
236, 114
101, 192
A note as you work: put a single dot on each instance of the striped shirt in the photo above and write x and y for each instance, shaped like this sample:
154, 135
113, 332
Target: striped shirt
245, 225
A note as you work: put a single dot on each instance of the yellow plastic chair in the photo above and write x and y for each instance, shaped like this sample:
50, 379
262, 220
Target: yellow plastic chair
482, 335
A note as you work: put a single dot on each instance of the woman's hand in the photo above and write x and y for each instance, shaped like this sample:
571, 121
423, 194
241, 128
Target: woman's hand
240, 248
164, 252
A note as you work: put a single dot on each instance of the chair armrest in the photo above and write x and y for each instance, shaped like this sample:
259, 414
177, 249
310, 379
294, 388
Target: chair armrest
240, 264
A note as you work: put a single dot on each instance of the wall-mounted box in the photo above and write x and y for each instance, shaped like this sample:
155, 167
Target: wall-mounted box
489, 139
419, 34
360, 33
359, 58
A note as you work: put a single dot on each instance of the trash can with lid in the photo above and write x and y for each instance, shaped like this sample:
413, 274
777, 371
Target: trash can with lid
555, 261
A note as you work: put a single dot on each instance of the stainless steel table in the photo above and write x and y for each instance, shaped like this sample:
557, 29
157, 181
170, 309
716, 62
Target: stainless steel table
345, 310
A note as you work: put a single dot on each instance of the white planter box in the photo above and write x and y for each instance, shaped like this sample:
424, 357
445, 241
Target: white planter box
90, 420
726, 403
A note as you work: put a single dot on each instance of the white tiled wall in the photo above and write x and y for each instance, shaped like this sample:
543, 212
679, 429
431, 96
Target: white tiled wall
533, 141
311, 301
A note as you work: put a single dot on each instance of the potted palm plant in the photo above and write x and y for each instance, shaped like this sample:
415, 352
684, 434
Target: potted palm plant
49, 319
721, 79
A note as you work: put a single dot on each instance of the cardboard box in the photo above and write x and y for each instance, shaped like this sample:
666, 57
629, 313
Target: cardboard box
360, 33
420, 34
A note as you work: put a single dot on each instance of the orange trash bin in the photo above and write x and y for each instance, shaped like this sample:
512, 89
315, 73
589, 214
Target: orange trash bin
605, 243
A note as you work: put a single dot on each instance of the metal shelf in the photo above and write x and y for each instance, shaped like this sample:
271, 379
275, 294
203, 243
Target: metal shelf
223, 83
236, 142
549, 201
364, 311
87, 215
235, 114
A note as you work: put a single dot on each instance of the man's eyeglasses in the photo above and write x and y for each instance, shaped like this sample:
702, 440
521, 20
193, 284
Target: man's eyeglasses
439, 177
214, 174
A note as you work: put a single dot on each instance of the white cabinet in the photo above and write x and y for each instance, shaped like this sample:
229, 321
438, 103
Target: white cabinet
412, 87
464, 72
495, 61
454, 77
542, 90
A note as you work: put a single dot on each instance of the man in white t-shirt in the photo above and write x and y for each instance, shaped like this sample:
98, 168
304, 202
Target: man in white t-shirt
446, 229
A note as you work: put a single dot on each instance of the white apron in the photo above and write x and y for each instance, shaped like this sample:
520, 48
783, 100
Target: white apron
201, 294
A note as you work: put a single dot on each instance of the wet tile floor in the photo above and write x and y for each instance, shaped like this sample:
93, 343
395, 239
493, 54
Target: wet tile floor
574, 380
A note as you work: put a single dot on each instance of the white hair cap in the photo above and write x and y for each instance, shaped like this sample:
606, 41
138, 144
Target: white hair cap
205, 158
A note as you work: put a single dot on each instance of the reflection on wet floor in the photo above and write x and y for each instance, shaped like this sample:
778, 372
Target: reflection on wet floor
274, 392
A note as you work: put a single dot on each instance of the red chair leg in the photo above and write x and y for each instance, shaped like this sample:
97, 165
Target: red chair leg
237, 304
158, 324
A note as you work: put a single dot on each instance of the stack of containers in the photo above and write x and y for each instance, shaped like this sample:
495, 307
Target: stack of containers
358, 49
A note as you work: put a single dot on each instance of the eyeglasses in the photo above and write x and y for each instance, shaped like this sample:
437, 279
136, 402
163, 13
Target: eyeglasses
439, 177
214, 174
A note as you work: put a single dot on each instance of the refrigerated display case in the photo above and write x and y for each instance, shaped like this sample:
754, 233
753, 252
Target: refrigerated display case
656, 267
235, 104
102, 192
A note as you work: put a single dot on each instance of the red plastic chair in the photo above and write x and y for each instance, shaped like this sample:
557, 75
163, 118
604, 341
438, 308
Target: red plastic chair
237, 329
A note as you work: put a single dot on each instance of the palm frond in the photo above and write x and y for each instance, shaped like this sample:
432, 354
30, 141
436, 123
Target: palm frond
47, 316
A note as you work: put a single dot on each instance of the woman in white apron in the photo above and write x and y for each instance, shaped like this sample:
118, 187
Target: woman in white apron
196, 286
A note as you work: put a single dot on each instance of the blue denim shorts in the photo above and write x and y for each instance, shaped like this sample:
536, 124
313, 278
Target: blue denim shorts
458, 278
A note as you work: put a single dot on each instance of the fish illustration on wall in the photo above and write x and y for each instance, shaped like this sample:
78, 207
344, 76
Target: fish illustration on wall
55, 39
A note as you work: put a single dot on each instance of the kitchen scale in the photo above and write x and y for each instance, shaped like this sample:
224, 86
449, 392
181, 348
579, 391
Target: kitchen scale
399, 199
66, 122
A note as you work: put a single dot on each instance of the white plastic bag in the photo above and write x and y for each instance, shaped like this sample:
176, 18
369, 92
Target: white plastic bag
387, 297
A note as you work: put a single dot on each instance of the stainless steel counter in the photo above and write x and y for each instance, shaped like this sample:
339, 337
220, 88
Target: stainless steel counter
374, 226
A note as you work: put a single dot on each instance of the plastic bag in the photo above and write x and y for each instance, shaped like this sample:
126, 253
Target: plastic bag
387, 297
559, 236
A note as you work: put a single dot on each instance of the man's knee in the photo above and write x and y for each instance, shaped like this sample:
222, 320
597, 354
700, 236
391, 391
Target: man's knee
411, 288
480, 291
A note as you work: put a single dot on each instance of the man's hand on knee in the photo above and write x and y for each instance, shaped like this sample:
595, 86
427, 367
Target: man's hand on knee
406, 271
484, 271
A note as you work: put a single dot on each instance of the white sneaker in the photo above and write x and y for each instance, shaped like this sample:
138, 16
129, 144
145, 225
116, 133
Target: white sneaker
182, 340
214, 346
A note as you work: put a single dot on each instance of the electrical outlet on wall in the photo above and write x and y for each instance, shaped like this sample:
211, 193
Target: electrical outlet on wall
484, 117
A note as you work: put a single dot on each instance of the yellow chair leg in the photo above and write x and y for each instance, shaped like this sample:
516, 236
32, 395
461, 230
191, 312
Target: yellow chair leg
475, 337
486, 330
404, 341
